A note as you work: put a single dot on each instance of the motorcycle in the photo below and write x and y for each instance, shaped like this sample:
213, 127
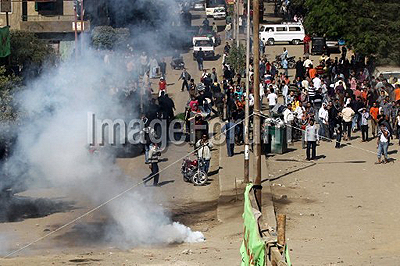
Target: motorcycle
291, 62
192, 171
177, 63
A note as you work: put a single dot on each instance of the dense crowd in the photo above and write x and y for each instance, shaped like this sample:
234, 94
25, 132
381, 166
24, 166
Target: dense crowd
340, 94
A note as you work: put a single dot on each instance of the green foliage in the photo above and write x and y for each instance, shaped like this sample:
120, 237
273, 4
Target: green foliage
370, 27
108, 38
27, 48
237, 58
8, 86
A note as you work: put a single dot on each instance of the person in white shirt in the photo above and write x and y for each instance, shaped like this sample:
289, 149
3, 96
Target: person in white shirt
288, 118
285, 92
204, 147
317, 82
272, 100
262, 93
311, 137
323, 116
305, 84
300, 111
383, 143
307, 63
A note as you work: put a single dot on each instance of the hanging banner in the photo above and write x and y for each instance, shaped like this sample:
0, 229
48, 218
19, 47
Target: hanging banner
5, 42
253, 247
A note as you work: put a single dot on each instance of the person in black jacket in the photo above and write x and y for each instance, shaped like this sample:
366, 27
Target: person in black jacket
200, 58
300, 68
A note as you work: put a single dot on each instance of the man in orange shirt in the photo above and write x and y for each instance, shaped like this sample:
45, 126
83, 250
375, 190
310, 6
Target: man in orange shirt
374, 112
397, 93
312, 72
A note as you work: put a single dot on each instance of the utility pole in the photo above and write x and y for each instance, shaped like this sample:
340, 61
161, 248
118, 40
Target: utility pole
246, 107
257, 102
82, 26
76, 28
237, 24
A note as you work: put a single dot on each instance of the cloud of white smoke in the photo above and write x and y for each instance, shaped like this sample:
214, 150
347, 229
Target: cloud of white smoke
52, 148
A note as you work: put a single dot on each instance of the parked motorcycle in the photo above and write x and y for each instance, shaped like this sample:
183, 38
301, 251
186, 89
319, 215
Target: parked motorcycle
291, 62
192, 171
177, 63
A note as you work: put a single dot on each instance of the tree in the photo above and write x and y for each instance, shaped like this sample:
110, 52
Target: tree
237, 58
28, 49
369, 27
108, 38
9, 83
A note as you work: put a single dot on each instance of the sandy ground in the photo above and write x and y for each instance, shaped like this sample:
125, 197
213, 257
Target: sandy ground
341, 208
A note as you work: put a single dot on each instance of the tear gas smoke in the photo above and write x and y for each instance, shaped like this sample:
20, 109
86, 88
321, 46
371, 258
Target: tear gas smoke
52, 137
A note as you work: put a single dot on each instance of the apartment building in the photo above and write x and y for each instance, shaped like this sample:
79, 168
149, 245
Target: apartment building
50, 19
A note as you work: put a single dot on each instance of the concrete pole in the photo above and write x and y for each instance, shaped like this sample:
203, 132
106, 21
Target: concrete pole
246, 109
237, 23
257, 102
82, 27
76, 29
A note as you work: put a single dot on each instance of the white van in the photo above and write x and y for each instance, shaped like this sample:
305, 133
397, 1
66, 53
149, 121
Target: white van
286, 32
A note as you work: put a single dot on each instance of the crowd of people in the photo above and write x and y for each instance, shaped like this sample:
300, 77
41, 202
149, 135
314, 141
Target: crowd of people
340, 95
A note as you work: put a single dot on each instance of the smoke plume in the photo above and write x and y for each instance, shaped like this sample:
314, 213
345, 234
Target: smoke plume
52, 148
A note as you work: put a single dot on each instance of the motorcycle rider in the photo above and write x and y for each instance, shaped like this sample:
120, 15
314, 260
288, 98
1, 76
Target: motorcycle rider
176, 58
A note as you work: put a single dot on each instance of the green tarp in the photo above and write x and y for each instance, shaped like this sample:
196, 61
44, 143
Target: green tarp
253, 247
5, 42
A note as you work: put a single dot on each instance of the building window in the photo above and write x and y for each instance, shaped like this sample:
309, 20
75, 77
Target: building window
49, 7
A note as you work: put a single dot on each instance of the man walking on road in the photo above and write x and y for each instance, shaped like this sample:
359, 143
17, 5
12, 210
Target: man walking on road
154, 153
311, 139
200, 58
185, 77
229, 130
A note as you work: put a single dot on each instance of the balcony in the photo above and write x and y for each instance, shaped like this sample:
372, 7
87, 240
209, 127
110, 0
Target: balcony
56, 26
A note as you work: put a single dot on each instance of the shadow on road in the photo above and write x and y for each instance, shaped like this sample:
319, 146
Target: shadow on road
16, 208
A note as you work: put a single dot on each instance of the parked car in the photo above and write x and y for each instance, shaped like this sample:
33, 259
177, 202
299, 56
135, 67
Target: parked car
286, 32
318, 45
207, 46
199, 5
387, 72
332, 45
219, 13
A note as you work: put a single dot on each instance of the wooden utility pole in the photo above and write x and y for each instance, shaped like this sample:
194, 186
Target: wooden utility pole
281, 221
257, 101
246, 108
